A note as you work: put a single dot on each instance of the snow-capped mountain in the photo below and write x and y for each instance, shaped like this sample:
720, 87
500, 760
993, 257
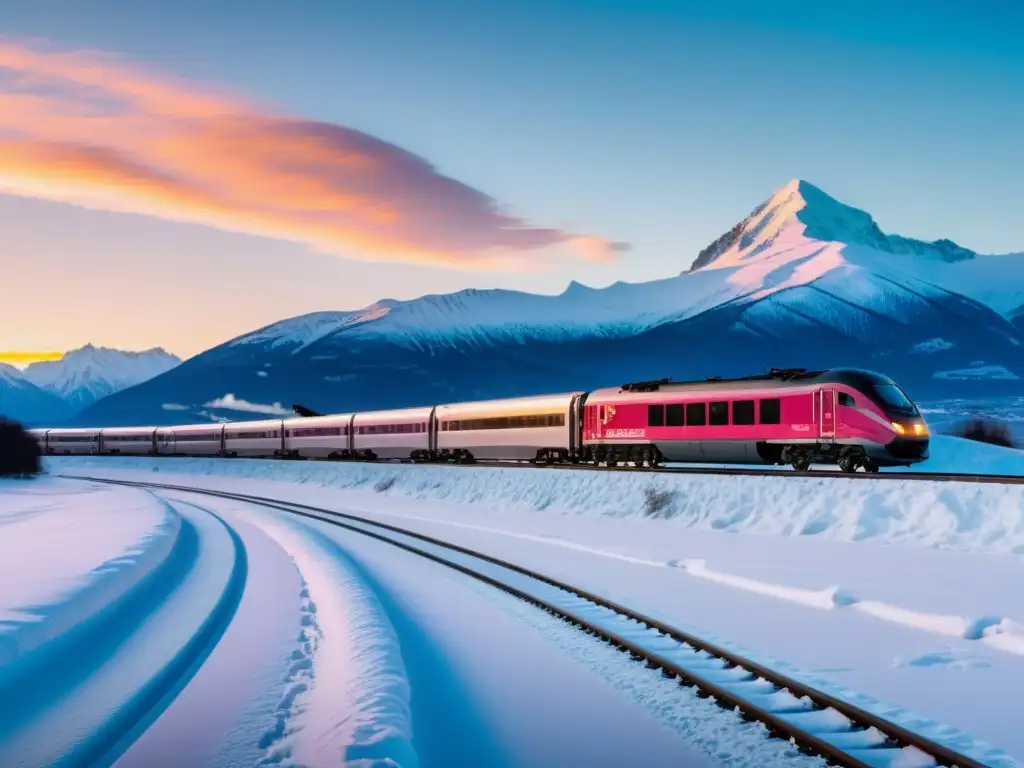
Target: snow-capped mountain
23, 401
83, 376
803, 281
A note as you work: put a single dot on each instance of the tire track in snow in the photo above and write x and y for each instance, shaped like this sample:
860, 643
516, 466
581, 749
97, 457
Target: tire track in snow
346, 696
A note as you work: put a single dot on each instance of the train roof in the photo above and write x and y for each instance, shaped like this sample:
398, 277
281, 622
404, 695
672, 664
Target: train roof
857, 378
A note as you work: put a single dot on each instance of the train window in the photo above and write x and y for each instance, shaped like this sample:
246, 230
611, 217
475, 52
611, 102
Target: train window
847, 400
771, 411
674, 415
743, 412
655, 415
696, 415
718, 413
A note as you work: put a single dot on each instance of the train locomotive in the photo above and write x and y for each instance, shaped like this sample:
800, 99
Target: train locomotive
852, 418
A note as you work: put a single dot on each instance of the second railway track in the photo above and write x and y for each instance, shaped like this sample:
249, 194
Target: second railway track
815, 722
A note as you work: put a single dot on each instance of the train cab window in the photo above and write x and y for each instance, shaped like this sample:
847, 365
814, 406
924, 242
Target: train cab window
674, 415
847, 400
771, 411
718, 414
655, 415
696, 414
743, 412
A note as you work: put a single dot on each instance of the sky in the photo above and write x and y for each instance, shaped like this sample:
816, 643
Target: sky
179, 174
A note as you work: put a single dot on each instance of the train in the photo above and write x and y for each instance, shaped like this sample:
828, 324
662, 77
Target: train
853, 418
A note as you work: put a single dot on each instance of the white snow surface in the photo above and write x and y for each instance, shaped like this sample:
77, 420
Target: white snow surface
347, 690
83, 376
799, 237
52, 574
902, 596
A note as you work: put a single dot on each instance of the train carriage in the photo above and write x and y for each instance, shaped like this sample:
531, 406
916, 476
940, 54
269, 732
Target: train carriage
254, 438
541, 429
320, 437
80, 442
197, 440
128, 440
401, 434
843, 416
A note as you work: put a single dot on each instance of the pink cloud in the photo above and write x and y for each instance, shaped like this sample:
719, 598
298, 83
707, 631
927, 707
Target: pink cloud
84, 128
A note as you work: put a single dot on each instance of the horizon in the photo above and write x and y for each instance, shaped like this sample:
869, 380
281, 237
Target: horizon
403, 152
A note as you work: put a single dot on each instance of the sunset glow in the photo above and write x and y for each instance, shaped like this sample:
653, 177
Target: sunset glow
89, 129
21, 358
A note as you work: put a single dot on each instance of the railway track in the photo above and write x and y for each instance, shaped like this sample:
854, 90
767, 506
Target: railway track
947, 477
813, 721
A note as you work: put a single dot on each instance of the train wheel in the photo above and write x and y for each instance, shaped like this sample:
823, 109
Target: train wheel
848, 464
802, 463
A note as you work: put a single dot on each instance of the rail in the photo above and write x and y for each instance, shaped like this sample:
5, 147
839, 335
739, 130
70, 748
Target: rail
708, 668
739, 471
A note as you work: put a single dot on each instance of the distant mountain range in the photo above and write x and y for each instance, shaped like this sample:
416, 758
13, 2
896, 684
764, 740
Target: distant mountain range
803, 281
54, 391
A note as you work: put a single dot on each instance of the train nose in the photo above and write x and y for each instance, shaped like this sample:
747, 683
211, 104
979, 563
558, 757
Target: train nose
909, 448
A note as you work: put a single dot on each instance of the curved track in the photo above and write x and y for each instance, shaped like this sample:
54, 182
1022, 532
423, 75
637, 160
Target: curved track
818, 724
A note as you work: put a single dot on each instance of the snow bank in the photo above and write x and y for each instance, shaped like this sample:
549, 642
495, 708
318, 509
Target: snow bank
68, 549
347, 692
964, 516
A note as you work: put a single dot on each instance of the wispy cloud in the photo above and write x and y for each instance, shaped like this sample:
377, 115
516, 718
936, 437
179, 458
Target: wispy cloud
88, 128
22, 357
232, 403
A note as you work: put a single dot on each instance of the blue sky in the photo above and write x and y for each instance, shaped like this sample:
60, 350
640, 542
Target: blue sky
655, 123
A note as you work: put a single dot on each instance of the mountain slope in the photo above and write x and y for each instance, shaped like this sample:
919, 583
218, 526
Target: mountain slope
803, 281
83, 376
23, 401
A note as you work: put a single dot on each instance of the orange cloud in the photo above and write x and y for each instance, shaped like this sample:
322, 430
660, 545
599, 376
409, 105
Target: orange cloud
82, 128
19, 357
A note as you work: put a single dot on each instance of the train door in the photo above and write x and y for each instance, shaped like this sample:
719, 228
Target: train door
827, 413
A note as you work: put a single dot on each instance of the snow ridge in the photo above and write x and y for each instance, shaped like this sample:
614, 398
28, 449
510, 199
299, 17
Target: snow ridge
361, 714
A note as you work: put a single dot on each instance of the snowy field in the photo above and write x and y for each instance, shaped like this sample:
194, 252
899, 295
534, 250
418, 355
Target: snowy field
901, 596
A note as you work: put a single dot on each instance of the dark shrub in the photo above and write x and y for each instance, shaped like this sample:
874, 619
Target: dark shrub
19, 452
984, 431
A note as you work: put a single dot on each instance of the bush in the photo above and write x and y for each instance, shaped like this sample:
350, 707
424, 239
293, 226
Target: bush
19, 452
659, 502
984, 431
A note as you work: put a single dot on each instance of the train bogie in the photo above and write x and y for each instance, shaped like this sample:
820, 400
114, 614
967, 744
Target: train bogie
195, 440
400, 434
128, 441
542, 428
73, 442
319, 437
254, 438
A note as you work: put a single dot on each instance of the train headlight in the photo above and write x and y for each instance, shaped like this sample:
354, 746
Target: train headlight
917, 430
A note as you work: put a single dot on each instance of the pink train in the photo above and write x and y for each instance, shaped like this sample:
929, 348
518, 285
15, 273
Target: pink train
851, 418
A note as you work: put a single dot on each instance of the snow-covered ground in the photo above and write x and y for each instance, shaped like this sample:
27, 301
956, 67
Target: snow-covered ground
902, 596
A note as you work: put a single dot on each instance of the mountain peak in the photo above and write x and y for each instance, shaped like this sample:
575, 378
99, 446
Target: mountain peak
82, 376
799, 208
